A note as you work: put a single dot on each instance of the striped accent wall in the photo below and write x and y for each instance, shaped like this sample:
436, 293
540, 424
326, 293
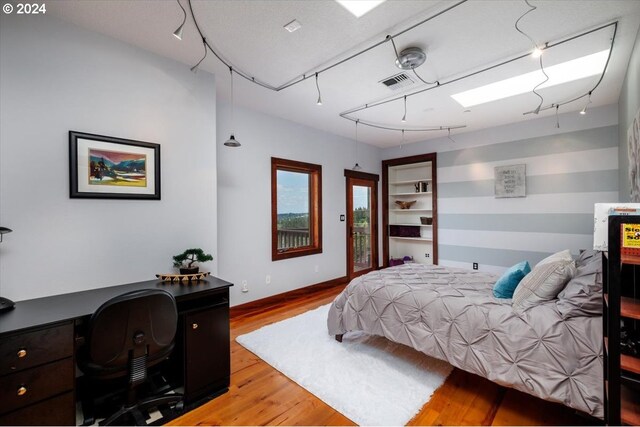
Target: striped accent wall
566, 174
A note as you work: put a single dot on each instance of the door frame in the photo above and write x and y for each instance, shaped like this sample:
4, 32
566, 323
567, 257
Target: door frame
373, 179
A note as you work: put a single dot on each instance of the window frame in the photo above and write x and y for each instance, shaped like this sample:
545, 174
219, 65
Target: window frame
315, 208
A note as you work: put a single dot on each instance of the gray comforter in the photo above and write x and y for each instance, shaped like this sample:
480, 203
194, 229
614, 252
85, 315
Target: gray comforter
451, 314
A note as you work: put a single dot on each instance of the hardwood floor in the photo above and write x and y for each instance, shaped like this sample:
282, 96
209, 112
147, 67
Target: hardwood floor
260, 395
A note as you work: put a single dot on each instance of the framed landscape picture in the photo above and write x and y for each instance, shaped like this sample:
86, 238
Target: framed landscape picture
104, 167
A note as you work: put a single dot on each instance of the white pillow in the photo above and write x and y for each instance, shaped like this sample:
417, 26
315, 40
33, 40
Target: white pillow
558, 256
544, 283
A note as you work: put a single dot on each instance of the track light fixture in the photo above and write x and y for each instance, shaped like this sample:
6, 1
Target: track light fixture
195, 67
319, 101
232, 142
584, 109
178, 32
557, 117
412, 57
404, 118
357, 167
449, 135
536, 53
3, 231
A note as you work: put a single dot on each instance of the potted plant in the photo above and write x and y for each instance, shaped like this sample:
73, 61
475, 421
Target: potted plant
186, 260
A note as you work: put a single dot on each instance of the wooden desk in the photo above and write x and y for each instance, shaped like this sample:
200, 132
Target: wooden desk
39, 338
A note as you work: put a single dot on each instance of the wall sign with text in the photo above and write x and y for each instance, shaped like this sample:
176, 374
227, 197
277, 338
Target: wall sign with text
510, 181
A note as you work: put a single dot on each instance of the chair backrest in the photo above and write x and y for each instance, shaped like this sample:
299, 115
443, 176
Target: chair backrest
131, 325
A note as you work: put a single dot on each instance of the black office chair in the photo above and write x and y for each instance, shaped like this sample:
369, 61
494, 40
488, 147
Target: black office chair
127, 335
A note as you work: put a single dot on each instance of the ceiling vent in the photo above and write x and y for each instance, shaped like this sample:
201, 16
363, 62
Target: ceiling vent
398, 81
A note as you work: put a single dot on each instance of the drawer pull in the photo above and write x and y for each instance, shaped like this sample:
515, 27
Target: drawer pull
22, 391
194, 326
22, 353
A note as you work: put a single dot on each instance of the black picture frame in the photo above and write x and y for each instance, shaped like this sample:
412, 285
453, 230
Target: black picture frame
138, 175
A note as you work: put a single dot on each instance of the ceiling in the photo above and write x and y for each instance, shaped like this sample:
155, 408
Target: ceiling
478, 33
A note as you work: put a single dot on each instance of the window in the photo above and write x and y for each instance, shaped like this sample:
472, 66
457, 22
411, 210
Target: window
296, 209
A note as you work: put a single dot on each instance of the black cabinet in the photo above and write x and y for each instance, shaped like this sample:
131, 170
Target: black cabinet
621, 317
205, 357
37, 377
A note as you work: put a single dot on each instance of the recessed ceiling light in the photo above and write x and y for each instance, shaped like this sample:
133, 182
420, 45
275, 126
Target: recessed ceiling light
292, 26
359, 7
564, 72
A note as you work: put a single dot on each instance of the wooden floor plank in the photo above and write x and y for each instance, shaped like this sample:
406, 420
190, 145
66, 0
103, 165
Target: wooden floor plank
260, 395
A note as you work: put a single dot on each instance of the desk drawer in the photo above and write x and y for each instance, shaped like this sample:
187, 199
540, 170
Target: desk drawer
29, 349
26, 387
57, 411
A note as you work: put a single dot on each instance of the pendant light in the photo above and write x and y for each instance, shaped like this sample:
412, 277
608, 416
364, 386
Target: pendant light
357, 167
178, 32
232, 142
584, 109
404, 118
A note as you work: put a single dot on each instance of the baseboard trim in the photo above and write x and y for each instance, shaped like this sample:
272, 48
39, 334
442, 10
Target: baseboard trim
268, 303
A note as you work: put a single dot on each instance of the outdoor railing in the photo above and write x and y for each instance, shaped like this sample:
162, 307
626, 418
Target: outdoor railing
362, 247
295, 238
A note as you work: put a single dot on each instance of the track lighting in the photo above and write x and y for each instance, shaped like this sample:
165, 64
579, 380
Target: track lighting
584, 109
195, 67
449, 135
178, 32
404, 118
357, 167
232, 142
319, 101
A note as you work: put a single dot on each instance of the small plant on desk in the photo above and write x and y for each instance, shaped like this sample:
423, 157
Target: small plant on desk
186, 260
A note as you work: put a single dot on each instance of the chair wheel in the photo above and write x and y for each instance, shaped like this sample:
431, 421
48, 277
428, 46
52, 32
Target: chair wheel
179, 406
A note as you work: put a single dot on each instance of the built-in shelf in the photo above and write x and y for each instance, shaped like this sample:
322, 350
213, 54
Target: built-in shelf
630, 307
421, 193
410, 181
630, 363
400, 178
424, 239
620, 309
630, 259
630, 407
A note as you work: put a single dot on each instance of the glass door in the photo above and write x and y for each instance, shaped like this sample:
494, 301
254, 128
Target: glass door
362, 241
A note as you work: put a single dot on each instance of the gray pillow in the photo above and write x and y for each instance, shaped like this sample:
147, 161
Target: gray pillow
543, 283
583, 294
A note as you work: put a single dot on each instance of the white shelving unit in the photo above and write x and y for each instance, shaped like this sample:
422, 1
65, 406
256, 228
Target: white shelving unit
405, 233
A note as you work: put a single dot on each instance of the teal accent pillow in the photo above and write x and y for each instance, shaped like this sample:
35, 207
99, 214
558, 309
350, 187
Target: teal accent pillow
506, 285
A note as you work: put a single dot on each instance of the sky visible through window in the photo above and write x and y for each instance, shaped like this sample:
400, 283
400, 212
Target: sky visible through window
293, 192
360, 197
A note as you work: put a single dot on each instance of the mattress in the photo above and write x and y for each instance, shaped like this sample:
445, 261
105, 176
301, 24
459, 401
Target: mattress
451, 314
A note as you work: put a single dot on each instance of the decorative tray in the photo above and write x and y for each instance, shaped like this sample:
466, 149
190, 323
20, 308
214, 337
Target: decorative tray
183, 278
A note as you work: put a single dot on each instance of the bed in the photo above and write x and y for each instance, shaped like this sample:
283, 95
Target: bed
552, 351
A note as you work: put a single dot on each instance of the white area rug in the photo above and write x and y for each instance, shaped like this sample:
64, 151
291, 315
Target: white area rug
368, 379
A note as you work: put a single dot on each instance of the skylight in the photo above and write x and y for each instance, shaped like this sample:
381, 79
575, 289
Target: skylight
564, 72
359, 7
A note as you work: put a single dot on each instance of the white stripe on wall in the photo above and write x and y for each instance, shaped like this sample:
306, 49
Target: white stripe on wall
572, 162
534, 204
536, 242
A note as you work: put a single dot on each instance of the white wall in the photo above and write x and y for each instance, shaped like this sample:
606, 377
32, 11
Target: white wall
568, 170
56, 77
628, 104
244, 200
